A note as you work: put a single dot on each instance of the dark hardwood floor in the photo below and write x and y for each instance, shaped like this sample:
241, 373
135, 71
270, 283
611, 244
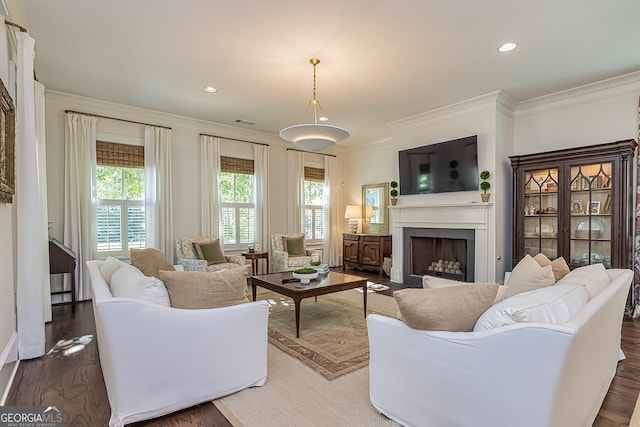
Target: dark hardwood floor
75, 382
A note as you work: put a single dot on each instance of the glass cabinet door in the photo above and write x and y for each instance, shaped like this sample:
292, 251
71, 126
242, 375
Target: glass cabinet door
541, 212
590, 228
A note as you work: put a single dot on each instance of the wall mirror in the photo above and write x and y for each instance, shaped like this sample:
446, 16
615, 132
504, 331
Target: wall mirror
375, 208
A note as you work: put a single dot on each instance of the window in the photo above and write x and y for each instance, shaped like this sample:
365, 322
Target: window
237, 206
314, 205
120, 214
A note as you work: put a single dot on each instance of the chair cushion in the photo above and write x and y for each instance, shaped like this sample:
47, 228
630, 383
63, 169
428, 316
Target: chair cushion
277, 240
551, 304
294, 246
558, 265
528, 275
150, 261
433, 282
129, 282
594, 277
212, 252
454, 308
197, 289
109, 267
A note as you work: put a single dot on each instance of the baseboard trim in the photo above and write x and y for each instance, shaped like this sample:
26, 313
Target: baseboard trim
8, 366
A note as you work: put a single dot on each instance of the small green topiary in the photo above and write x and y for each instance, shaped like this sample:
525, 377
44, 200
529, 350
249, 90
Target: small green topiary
485, 185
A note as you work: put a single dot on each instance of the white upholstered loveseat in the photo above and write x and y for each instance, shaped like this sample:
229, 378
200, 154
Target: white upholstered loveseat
157, 359
523, 374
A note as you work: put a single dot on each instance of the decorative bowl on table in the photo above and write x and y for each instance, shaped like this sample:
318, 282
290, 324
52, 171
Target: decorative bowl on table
305, 274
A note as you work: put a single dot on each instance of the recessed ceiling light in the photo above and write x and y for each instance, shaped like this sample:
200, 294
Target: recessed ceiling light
210, 89
507, 47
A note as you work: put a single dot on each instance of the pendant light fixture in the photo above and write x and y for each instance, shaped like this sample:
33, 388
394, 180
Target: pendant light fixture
314, 136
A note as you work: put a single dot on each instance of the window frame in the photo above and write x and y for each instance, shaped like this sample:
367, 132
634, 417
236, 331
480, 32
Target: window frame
237, 166
314, 175
120, 155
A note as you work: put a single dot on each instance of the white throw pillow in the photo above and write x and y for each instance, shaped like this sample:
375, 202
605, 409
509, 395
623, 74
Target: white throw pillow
528, 275
109, 267
594, 277
129, 282
552, 304
433, 282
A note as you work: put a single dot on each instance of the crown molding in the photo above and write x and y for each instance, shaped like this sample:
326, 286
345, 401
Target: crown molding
452, 110
620, 85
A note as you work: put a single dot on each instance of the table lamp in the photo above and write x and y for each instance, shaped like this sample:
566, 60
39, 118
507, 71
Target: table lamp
353, 214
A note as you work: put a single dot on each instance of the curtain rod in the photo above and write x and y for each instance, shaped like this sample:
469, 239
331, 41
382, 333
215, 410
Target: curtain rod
234, 139
20, 27
310, 152
114, 118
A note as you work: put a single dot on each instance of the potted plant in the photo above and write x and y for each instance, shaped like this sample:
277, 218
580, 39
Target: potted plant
393, 193
485, 185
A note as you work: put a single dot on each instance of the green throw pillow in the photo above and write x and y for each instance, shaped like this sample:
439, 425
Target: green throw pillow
212, 252
294, 246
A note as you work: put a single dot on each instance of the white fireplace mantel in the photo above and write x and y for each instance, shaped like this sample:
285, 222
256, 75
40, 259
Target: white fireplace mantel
477, 216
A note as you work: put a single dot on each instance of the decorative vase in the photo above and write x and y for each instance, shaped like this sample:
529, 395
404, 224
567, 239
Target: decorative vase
394, 201
485, 196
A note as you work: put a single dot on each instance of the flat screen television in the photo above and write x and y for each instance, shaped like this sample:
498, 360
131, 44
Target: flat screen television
440, 168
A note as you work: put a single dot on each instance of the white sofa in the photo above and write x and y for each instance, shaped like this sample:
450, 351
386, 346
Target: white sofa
525, 374
157, 360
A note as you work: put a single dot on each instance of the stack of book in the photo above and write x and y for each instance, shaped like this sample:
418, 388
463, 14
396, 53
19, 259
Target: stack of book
320, 268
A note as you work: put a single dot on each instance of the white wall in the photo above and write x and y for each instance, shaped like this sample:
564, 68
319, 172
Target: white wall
606, 111
185, 156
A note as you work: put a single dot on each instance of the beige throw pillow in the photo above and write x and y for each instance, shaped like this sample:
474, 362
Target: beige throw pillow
150, 261
197, 289
454, 309
434, 282
528, 275
210, 251
558, 265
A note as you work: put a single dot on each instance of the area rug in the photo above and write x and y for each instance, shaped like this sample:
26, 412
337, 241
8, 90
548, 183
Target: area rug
333, 335
295, 395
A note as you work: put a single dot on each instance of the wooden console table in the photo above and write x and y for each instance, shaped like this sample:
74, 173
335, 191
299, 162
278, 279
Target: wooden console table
63, 260
365, 251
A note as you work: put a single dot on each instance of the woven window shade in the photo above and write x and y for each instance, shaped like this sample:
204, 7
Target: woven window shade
313, 174
119, 155
236, 165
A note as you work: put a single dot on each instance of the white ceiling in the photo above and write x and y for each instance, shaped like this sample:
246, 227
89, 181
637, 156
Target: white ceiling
381, 60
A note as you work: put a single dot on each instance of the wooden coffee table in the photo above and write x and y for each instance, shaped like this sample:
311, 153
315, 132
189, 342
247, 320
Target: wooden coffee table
324, 284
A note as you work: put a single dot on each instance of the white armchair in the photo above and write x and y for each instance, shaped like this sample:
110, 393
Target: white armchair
280, 258
188, 258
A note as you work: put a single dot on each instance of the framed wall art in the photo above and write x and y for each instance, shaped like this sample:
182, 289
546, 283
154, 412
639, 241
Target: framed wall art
7, 147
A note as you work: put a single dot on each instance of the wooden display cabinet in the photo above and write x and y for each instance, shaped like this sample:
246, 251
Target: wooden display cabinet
575, 203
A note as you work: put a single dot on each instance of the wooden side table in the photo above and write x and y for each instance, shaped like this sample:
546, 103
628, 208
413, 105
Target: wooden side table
254, 257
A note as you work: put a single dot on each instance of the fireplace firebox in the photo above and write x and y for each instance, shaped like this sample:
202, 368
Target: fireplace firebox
441, 252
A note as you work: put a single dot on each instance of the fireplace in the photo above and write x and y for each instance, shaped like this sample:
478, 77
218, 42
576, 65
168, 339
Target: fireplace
441, 252
464, 220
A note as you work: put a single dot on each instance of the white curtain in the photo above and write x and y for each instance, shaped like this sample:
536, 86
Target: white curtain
209, 188
295, 184
333, 237
261, 171
158, 195
32, 265
41, 147
80, 195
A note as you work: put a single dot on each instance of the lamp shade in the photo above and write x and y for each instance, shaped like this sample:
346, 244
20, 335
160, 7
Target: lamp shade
353, 212
313, 137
